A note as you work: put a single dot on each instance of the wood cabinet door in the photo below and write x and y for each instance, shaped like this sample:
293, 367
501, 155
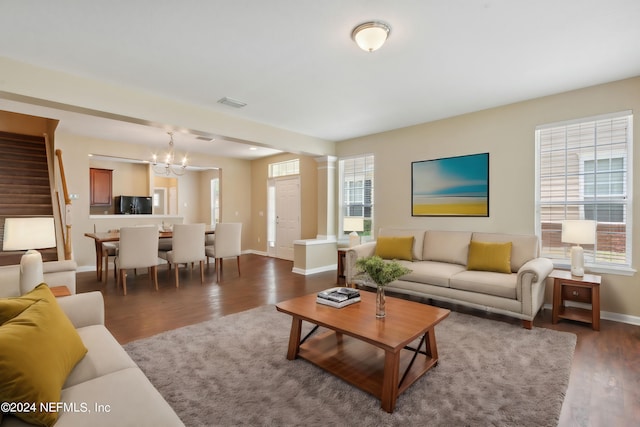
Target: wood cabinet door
100, 187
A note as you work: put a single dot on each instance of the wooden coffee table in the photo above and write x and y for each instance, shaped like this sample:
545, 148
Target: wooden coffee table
372, 354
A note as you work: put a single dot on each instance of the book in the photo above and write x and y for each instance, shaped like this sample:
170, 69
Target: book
339, 294
338, 297
337, 304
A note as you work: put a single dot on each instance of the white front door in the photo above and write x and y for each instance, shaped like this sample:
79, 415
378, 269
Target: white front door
287, 216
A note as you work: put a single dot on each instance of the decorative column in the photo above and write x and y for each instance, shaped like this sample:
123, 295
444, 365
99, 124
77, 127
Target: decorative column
326, 198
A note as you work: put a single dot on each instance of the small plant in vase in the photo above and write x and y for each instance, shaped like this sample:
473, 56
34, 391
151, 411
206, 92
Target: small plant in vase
382, 273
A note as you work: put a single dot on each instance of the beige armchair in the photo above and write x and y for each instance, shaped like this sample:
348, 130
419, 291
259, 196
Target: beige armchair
228, 243
138, 249
187, 247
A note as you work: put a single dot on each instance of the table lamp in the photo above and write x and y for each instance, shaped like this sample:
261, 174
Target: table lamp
353, 224
578, 231
29, 234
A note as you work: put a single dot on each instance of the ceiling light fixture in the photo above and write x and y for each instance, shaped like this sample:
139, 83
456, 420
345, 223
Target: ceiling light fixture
371, 35
168, 167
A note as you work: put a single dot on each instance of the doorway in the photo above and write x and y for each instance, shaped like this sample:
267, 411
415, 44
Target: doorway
283, 222
159, 201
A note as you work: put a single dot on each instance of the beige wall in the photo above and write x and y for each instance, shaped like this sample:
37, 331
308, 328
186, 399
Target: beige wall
308, 197
507, 133
235, 191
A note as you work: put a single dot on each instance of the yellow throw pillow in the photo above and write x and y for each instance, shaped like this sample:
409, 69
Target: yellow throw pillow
11, 307
489, 256
39, 349
395, 248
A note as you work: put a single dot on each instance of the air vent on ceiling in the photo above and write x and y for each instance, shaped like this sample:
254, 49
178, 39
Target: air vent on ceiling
204, 138
231, 102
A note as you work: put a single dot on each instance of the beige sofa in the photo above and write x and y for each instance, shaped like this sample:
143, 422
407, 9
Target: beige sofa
439, 271
106, 381
56, 273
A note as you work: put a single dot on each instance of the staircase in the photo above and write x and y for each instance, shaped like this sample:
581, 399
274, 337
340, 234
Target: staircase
25, 188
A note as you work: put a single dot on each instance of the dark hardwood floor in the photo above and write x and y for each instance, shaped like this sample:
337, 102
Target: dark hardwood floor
604, 389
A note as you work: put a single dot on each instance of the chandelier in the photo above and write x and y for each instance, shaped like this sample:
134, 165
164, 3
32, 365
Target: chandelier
169, 167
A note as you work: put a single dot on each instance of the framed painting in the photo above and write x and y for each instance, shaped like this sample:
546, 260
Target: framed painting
451, 186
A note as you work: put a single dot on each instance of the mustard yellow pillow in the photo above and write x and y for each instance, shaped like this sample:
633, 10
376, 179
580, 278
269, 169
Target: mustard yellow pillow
395, 248
39, 349
10, 308
489, 256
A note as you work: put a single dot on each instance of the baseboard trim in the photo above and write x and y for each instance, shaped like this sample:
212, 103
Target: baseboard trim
306, 272
606, 315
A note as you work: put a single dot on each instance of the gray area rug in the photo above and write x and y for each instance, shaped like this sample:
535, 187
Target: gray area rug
233, 371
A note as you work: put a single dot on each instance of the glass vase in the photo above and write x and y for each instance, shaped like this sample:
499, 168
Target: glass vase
380, 303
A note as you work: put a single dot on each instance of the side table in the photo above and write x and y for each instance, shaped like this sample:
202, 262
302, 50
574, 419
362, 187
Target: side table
585, 289
60, 291
342, 253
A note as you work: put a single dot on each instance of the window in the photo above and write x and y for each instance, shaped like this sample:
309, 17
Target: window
289, 167
215, 200
356, 195
584, 171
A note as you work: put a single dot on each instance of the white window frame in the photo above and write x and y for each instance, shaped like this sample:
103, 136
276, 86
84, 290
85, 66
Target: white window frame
593, 265
365, 236
285, 168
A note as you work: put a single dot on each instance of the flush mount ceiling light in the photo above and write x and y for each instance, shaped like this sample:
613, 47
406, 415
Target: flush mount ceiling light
371, 35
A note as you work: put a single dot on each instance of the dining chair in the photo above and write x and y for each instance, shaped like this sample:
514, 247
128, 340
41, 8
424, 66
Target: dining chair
110, 250
138, 249
228, 243
166, 243
187, 248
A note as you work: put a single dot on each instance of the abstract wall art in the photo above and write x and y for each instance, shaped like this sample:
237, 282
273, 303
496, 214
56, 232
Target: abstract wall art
451, 186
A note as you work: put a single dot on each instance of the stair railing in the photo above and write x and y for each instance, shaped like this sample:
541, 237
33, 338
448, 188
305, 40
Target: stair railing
66, 218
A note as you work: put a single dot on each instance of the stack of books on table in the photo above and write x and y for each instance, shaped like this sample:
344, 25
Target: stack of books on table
338, 297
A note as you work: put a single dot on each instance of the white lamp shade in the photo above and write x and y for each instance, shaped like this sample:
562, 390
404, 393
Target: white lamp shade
29, 233
353, 223
579, 232
370, 36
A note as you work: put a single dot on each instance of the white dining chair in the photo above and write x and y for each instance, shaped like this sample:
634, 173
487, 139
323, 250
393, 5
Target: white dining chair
187, 248
227, 244
138, 249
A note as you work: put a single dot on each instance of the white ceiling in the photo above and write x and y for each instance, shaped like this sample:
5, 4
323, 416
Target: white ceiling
294, 64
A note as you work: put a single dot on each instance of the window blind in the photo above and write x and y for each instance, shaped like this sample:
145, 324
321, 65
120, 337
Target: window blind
584, 172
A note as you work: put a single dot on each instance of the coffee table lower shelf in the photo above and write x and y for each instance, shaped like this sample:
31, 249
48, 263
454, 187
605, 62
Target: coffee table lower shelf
363, 365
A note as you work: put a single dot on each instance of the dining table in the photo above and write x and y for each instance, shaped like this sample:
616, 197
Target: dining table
114, 236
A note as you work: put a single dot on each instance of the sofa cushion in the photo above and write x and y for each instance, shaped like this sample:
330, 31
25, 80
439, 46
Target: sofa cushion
39, 348
432, 273
418, 238
523, 247
489, 256
9, 281
486, 282
446, 246
104, 355
395, 248
127, 397
11, 307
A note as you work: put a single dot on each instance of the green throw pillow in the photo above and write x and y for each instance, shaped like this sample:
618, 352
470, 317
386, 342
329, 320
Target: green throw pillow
395, 248
39, 348
489, 256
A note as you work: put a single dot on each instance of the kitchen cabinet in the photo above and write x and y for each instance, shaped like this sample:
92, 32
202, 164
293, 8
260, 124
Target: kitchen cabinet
100, 187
